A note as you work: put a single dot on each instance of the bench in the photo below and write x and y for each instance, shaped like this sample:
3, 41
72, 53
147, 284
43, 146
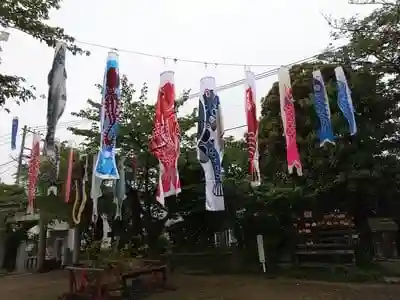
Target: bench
140, 287
147, 270
80, 285
107, 283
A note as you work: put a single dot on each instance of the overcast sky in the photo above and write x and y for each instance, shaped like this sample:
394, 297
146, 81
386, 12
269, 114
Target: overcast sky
274, 32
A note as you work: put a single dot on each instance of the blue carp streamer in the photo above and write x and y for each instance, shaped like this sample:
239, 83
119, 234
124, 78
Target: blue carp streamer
345, 102
106, 167
57, 97
14, 131
210, 144
322, 109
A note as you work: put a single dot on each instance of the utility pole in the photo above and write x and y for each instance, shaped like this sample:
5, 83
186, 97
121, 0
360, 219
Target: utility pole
21, 153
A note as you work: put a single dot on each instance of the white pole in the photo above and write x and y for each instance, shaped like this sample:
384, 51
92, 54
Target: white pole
261, 254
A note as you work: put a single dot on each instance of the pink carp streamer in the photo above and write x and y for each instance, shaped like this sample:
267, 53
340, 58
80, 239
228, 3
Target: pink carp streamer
289, 121
69, 175
165, 139
252, 128
33, 171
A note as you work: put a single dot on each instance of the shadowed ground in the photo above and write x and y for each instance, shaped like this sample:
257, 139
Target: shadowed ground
237, 287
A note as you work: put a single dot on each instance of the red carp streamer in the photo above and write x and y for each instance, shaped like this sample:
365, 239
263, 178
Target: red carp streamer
252, 128
165, 139
289, 121
69, 175
33, 171
112, 106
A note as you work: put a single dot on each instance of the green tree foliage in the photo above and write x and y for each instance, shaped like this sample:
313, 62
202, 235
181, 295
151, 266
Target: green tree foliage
359, 173
11, 193
373, 44
31, 18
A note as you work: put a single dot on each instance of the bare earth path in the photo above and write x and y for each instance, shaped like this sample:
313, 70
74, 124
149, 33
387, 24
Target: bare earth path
49, 286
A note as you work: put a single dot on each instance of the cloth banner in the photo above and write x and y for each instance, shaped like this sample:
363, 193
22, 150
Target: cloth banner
288, 115
252, 128
69, 175
106, 167
33, 172
57, 97
210, 144
95, 190
165, 139
120, 189
321, 104
345, 102
14, 131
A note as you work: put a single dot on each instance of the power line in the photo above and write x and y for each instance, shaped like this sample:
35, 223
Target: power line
259, 76
176, 59
38, 127
7, 163
8, 169
7, 137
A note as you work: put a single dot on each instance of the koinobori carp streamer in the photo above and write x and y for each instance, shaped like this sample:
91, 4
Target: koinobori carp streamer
95, 190
57, 97
344, 100
106, 166
289, 121
33, 172
252, 128
120, 189
14, 131
165, 139
210, 143
68, 182
321, 104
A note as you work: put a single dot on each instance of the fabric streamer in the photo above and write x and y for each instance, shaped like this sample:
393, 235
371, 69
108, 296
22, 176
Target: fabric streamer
321, 103
14, 131
345, 102
289, 120
210, 144
120, 189
106, 167
77, 212
165, 139
252, 128
95, 191
57, 96
33, 172
105, 240
55, 170
69, 175
57, 150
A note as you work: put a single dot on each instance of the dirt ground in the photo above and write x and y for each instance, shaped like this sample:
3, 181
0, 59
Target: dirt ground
49, 286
